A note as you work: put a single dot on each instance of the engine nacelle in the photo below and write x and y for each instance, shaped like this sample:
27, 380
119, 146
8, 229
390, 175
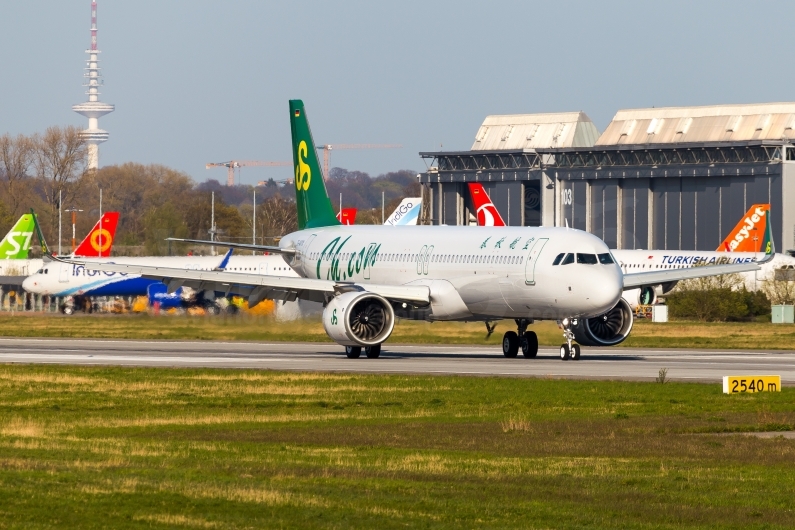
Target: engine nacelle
639, 296
359, 319
608, 329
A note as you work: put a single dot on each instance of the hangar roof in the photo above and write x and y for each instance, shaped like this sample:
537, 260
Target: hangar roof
718, 123
535, 131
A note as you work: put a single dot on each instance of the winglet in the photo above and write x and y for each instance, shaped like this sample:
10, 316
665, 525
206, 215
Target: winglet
768, 244
45, 249
225, 260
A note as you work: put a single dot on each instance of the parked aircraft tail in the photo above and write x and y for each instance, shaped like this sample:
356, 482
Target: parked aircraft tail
99, 240
750, 234
16, 243
347, 216
406, 213
487, 214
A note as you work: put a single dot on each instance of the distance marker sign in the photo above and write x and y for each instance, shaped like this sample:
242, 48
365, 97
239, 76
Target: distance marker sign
737, 384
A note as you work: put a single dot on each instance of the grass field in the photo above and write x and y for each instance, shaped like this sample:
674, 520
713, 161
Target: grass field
731, 335
168, 448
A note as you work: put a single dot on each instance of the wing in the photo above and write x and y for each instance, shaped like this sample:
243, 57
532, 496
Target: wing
258, 287
639, 279
244, 246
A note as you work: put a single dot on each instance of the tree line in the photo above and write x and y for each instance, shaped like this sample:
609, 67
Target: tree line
156, 202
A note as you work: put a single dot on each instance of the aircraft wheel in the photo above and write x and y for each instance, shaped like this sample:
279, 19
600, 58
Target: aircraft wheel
510, 344
564, 352
530, 344
372, 352
575, 352
353, 352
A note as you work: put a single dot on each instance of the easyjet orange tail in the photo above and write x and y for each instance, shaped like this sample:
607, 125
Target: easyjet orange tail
99, 242
749, 233
486, 212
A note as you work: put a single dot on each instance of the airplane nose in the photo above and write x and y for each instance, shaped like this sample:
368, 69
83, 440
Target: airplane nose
605, 293
30, 285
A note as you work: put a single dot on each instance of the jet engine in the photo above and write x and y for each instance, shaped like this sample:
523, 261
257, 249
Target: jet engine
359, 319
608, 329
645, 295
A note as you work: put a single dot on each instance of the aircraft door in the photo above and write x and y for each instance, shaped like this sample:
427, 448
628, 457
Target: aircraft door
422, 255
532, 259
368, 258
63, 273
303, 256
263, 269
427, 259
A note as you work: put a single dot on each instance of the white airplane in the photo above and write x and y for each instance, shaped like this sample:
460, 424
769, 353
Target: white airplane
744, 244
366, 276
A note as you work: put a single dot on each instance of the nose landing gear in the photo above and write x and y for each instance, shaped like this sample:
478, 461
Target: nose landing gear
512, 341
569, 350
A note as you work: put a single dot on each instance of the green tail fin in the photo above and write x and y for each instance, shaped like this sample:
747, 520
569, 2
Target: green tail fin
16, 244
311, 197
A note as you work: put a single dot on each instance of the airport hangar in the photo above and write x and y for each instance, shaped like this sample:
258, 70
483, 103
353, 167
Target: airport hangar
674, 178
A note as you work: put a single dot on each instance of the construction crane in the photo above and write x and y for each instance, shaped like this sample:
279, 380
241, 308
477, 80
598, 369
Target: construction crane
328, 148
232, 164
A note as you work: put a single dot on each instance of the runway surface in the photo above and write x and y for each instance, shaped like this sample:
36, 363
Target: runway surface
599, 363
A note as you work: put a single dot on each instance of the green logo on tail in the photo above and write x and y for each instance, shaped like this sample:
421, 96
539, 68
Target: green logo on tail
16, 244
311, 198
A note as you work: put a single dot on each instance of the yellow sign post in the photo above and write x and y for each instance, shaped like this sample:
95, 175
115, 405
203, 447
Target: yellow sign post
737, 384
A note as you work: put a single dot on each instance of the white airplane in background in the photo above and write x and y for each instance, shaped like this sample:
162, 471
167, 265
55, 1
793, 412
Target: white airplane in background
366, 276
746, 243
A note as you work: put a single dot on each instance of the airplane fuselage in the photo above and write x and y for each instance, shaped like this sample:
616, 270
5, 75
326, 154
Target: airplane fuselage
474, 273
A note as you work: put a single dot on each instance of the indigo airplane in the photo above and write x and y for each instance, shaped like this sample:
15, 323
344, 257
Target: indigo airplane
367, 276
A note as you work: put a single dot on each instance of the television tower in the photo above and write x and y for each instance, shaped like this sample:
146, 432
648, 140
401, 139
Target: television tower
93, 108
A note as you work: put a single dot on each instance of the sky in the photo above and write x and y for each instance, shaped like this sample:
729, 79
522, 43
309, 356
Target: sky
197, 81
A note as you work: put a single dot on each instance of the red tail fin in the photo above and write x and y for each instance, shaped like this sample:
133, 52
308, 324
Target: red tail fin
747, 236
90, 246
486, 212
347, 216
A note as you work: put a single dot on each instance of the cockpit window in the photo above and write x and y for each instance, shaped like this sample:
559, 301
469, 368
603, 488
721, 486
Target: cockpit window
568, 259
606, 259
587, 259
558, 258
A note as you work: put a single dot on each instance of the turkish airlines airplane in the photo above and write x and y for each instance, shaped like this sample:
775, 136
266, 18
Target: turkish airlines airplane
367, 277
485, 210
747, 242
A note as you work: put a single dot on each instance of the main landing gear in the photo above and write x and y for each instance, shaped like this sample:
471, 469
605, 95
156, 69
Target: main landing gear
526, 340
354, 352
567, 349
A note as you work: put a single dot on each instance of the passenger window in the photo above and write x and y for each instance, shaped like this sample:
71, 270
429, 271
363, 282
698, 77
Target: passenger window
568, 259
586, 259
558, 258
606, 258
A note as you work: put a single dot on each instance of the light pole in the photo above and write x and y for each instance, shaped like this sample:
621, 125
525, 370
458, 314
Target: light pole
60, 207
74, 222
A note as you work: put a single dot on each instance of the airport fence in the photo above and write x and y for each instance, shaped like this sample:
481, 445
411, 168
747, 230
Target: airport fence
15, 300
